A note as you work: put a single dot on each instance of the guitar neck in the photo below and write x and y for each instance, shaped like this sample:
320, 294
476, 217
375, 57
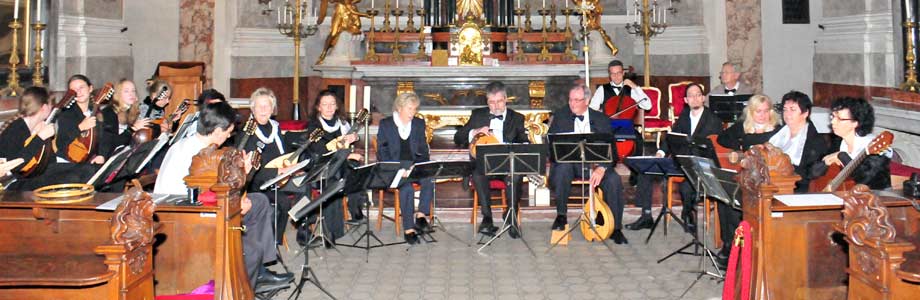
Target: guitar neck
243, 142
846, 172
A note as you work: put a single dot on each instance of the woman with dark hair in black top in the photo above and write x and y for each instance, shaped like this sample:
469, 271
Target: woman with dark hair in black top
799, 138
77, 118
852, 120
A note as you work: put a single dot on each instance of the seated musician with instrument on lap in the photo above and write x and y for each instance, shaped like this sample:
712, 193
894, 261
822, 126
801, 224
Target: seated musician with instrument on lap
503, 125
852, 120
401, 138
29, 136
76, 119
121, 118
215, 125
619, 98
758, 123
154, 105
578, 118
799, 138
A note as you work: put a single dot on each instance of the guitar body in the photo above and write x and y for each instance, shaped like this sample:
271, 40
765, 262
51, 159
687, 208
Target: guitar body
819, 184
837, 178
481, 139
279, 163
627, 109
603, 219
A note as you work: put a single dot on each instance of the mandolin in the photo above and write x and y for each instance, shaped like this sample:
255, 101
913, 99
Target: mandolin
147, 133
38, 163
291, 158
836, 177
256, 156
600, 214
481, 139
85, 146
339, 142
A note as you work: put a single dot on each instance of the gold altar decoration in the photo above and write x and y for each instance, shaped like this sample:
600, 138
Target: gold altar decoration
470, 42
37, 61
469, 8
592, 18
345, 18
293, 27
653, 22
910, 83
13, 89
537, 91
403, 87
436, 118
371, 54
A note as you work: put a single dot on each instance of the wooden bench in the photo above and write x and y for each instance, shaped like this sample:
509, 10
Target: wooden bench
882, 265
44, 261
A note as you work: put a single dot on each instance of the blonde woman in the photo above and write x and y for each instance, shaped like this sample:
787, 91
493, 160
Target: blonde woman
759, 123
120, 118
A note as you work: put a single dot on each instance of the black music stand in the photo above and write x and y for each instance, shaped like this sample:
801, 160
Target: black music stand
105, 172
659, 166
324, 167
306, 272
728, 108
511, 160
583, 148
378, 175
440, 170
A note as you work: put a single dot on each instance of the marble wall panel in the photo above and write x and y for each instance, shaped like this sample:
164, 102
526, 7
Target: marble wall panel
744, 39
839, 68
615, 7
196, 33
72, 8
839, 8
267, 66
882, 69
104, 9
249, 15
109, 69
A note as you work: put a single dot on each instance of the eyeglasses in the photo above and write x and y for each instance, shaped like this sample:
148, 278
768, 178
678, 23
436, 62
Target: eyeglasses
835, 117
617, 73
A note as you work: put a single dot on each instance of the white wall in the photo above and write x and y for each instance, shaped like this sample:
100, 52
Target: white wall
789, 50
153, 28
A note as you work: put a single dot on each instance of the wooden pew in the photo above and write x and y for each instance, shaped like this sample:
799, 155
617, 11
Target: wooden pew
876, 252
796, 253
43, 261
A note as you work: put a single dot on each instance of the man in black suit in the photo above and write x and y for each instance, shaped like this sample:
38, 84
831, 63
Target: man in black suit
697, 122
578, 118
507, 126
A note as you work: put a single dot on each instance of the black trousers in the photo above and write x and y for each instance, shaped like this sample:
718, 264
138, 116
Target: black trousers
258, 240
481, 184
729, 218
561, 176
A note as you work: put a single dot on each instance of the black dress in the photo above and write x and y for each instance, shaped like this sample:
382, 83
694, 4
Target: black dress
55, 173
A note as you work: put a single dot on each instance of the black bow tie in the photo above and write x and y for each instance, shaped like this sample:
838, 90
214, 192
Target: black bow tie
500, 117
731, 91
580, 118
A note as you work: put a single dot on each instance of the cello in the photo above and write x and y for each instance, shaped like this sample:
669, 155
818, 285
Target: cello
621, 109
82, 148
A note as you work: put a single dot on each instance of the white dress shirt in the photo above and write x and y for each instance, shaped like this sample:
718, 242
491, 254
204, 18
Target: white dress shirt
496, 126
637, 94
583, 126
175, 165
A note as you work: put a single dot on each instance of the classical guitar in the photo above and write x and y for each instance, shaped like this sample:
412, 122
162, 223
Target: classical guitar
339, 142
836, 177
292, 158
38, 163
85, 146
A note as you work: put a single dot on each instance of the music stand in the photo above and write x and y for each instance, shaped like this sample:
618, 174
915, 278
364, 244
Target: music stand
127, 166
109, 167
299, 211
323, 168
728, 108
511, 160
378, 175
583, 148
660, 166
439, 170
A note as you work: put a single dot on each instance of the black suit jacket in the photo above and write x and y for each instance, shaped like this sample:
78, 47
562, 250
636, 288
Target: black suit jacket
564, 122
709, 124
512, 126
736, 139
815, 150
388, 141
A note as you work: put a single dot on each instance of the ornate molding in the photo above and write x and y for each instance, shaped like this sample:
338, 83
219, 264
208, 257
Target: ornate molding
865, 219
91, 37
677, 40
133, 227
868, 33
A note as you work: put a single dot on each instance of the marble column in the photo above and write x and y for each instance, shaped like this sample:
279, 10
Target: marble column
196, 33
743, 40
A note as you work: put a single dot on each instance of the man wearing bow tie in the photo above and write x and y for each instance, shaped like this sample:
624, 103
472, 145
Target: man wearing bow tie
730, 84
619, 86
578, 118
507, 126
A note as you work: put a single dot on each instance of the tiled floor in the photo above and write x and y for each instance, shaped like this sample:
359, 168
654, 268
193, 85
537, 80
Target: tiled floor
449, 269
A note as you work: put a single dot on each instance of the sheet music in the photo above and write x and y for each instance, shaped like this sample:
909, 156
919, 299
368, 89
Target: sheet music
156, 148
399, 176
825, 199
286, 174
111, 205
105, 167
292, 213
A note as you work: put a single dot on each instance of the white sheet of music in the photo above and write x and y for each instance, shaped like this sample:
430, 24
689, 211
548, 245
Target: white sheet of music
825, 199
399, 176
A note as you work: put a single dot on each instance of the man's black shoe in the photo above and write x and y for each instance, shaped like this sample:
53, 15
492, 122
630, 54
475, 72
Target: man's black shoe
559, 223
644, 222
721, 261
411, 238
618, 237
423, 225
689, 218
486, 227
268, 277
357, 216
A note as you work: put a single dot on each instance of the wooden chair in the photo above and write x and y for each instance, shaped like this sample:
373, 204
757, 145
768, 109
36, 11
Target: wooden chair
494, 184
58, 268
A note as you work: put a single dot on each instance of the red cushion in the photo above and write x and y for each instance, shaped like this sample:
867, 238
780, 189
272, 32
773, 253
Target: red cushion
496, 184
292, 125
678, 92
898, 169
654, 95
657, 123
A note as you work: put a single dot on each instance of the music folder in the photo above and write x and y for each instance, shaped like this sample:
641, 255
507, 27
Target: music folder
598, 147
718, 183
286, 174
109, 167
653, 165
728, 108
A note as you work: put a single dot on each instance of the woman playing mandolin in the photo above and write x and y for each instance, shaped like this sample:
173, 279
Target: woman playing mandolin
28, 136
77, 118
852, 120
121, 118
154, 105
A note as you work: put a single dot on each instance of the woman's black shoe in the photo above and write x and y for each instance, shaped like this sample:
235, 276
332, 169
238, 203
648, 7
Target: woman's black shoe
411, 238
422, 224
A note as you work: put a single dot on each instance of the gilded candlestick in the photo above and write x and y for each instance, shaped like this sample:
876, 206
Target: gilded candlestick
544, 49
397, 55
569, 55
13, 89
527, 24
37, 79
552, 23
421, 55
410, 24
519, 48
386, 17
371, 54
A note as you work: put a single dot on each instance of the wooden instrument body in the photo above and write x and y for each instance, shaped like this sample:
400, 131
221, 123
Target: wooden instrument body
86, 145
818, 185
627, 107
153, 130
481, 139
837, 178
292, 158
603, 217
38, 163
256, 155
337, 144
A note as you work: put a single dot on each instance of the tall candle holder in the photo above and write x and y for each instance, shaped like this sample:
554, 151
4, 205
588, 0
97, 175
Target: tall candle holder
528, 26
421, 55
13, 89
519, 48
553, 26
37, 78
650, 24
569, 54
544, 49
410, 23
371, 54
397, 55
386, 17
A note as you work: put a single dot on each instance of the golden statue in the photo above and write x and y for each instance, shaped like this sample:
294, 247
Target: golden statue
593, 20
469, 8
470, 40
346, 17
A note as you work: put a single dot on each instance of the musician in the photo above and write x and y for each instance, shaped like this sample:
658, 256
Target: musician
26, 135
214, 127
731, 85
331, 120
758, 124
507, 126
401, 137
77, 118
799, 138
154, 108
578, 118
618, 87
120, 119
191, 121
852, 120
697, 122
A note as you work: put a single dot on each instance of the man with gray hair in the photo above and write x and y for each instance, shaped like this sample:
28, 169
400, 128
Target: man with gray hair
731, 83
